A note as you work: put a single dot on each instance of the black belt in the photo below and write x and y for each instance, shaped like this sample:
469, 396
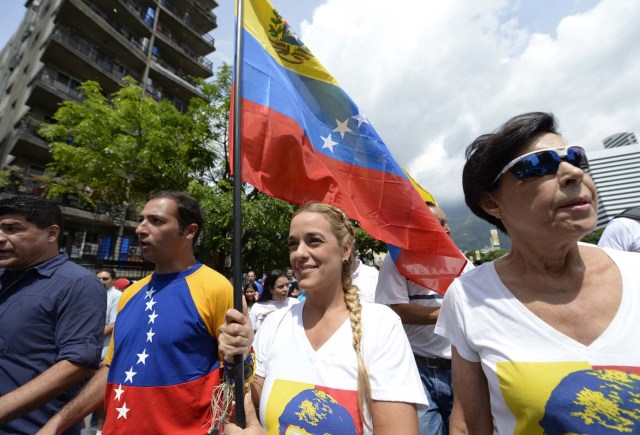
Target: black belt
432, 362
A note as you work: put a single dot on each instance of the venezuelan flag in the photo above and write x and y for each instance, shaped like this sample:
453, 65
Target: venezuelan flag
303, 140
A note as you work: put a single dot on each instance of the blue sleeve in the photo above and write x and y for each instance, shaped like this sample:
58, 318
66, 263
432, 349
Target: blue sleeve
80, 323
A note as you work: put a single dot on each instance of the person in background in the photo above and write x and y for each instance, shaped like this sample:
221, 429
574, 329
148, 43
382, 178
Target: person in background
274, 297
292, 279
418, 308
251, 277
544, 338
366, 279
51, 317
107, 276
251, 293
623, 231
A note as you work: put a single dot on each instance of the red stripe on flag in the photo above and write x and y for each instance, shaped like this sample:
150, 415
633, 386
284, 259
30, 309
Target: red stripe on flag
176, 409
279, 160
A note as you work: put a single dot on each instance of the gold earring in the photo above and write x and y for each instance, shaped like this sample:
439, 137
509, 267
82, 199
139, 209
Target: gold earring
498, 215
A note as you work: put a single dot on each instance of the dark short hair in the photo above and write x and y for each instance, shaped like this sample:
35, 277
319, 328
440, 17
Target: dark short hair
189, 210
489, 153
252, 285
37, 210
108, 270
269, 283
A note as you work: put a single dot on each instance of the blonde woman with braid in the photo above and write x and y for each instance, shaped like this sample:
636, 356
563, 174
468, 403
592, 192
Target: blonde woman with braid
331, 365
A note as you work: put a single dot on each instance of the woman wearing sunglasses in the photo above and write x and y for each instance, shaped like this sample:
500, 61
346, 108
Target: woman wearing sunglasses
544, 339
274, 296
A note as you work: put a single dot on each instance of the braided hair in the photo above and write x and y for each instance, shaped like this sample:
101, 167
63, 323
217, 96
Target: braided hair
345, 235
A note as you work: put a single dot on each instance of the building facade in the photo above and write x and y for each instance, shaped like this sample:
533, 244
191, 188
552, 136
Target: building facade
620, 139
616, 172
162, 44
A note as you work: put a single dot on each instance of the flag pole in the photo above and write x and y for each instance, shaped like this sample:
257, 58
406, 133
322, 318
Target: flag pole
237, 212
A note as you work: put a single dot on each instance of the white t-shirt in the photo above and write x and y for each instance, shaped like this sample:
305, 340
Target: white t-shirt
540, 380
393, 288
317, 390
623, 234
366, 279
113, 297
260, 310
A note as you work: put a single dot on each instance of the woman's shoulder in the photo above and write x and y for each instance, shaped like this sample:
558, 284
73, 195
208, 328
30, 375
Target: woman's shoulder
286, 314
482, 278
378, 314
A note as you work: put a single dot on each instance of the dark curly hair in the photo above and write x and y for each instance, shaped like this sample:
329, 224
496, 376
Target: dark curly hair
489, 153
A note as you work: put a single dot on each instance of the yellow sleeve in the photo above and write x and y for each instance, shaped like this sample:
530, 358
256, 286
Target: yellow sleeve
213, 296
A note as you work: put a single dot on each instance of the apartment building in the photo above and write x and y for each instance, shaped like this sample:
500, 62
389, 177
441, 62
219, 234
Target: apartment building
162, 44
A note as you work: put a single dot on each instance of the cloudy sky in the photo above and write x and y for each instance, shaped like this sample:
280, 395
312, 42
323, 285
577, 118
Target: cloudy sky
433, 75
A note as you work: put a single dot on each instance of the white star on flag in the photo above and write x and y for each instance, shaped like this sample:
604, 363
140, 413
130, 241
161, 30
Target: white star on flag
328, 142
130, 374
122, 412
150, 305
118, 391
342, 127
142, 357
361, 119
150, 293
150, 335
152, 318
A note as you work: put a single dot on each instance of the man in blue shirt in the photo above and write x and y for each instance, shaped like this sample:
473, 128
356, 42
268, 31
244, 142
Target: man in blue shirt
51, 317
251, 277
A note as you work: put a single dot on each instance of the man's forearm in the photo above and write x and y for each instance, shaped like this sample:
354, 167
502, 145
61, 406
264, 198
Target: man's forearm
42, 389
108, 329
87, 401
413, 314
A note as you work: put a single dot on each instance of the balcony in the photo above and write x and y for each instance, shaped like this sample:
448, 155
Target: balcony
29, 143
185, 18
167, 39
119, 27
96, 64
158, 94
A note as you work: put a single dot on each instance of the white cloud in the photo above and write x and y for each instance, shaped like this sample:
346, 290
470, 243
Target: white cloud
432, 76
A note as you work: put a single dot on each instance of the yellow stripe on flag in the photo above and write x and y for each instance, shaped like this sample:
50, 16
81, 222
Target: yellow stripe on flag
426, 196
262, 21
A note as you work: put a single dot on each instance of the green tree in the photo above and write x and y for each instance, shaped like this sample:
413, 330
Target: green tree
265, 226
367, 245
593, 237
117, 150
216, 113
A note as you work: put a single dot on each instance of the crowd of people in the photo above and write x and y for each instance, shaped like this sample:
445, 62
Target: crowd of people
538, 341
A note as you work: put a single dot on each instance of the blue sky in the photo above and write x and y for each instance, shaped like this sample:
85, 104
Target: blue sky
433, 75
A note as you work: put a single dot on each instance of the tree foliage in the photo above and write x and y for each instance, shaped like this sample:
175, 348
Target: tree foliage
265, 226
117, 150
593, 237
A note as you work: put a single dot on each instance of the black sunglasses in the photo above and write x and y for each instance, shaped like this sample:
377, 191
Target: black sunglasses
545, 162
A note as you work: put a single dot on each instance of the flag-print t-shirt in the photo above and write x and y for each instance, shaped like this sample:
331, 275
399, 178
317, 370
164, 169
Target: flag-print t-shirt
163, 359
309, 391
540, 380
